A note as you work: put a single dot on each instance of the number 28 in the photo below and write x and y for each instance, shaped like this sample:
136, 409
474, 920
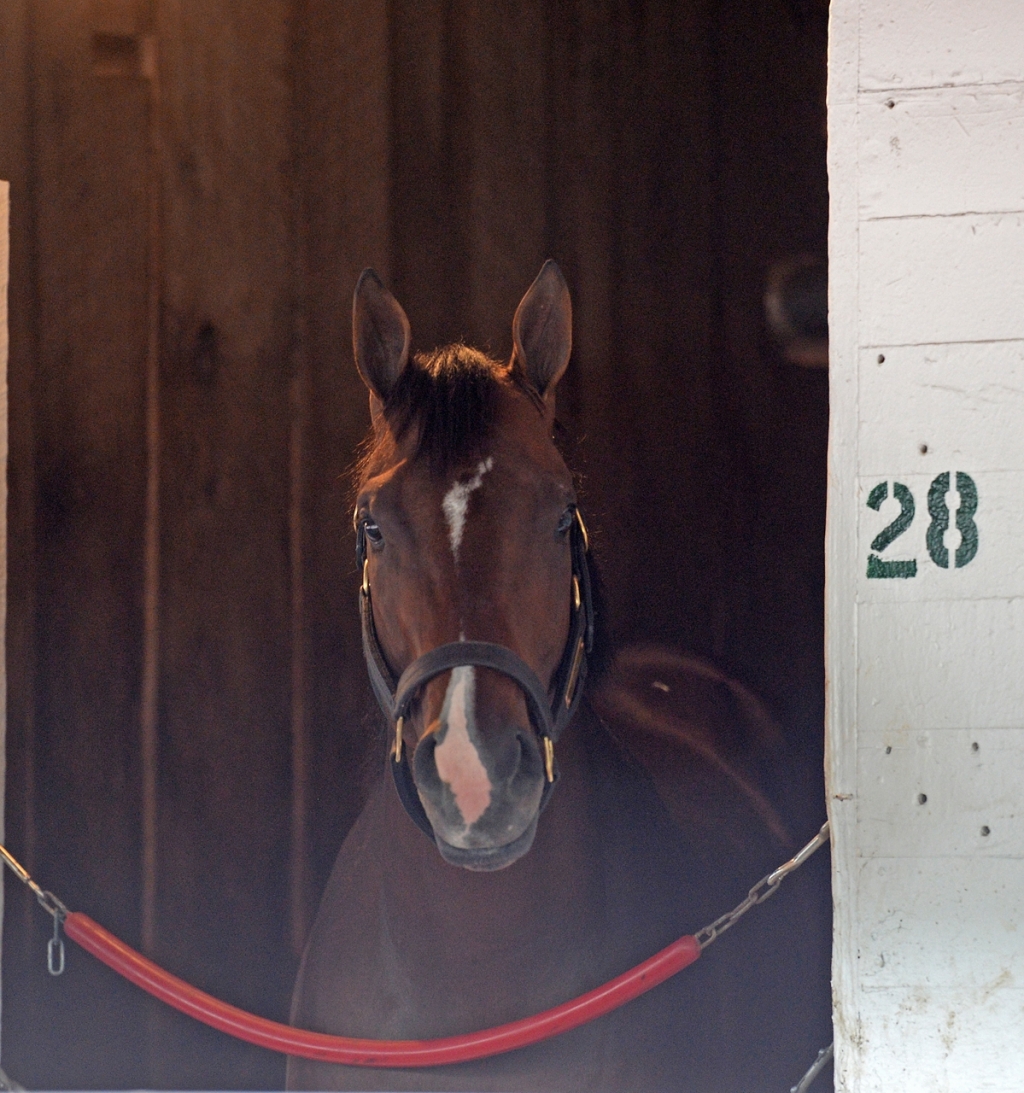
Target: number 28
934, 538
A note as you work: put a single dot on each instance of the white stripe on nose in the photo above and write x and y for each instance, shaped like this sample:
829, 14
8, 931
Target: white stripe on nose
456, 756
456, 502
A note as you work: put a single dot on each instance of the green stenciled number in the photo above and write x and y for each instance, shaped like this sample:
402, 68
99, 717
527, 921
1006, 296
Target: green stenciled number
878, 567
965, 519
940, 520
965, 524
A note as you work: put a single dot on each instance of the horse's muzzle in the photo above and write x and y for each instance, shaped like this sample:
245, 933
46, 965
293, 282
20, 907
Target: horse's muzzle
482, 860
512, 768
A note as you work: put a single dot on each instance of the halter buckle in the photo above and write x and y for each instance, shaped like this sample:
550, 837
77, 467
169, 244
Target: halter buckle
549, 758
397, 750
583, 529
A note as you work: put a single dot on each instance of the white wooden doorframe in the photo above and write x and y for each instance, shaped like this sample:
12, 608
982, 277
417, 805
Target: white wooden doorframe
925, 620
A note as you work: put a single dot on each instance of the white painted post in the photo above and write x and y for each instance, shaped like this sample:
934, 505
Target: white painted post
925, 623
4, 251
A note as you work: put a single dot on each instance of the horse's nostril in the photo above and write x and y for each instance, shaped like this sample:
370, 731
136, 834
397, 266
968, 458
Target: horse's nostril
424, 764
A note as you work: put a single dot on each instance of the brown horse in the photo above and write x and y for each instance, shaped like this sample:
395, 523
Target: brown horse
552, 862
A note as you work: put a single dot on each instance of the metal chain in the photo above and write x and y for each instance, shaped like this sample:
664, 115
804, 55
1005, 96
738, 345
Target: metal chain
819, 1064
50, 904
9, 1084
765, 888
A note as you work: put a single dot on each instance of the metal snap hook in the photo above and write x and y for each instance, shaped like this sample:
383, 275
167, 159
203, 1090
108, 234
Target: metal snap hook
55, 950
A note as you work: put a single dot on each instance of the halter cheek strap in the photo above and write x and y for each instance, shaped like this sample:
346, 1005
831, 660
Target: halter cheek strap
549, 717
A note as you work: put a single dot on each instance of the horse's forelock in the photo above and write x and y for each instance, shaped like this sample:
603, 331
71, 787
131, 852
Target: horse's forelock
450, 398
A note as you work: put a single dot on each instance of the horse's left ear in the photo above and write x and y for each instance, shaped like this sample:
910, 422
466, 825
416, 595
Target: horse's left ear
542, 329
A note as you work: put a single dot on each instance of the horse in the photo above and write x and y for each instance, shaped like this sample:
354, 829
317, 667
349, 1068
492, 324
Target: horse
544, 826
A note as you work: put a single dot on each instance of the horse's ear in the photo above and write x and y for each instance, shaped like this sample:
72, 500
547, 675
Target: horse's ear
380, 335
542, 329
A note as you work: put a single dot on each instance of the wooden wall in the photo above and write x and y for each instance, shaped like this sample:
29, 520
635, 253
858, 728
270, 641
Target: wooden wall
664, 153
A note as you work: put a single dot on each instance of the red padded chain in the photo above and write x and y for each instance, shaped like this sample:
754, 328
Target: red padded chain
379, 1053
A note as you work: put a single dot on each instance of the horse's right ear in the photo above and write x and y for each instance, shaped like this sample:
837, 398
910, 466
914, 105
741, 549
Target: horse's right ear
542, 329
380, 336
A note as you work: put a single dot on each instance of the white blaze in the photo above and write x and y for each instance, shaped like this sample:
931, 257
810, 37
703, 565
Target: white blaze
458, 762
456, 502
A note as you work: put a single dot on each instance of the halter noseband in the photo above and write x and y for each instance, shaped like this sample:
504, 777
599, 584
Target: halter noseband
548, 716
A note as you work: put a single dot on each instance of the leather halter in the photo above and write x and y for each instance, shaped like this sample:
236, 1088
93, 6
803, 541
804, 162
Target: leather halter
549, 716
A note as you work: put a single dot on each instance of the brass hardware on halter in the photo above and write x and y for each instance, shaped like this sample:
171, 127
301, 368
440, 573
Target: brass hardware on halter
574, 672
397, 750
583, 528
366, 577
576, 601
549, 758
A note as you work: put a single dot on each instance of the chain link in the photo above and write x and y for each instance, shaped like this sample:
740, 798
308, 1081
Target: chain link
819, 1064
765, 888
47, 900
50, 904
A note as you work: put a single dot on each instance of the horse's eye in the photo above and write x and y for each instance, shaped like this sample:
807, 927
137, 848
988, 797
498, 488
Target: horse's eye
565, 522
373, 533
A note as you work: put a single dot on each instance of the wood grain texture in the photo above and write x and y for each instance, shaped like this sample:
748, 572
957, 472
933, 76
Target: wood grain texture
224, 766
664, 153
88, 278
5, 208
344, 149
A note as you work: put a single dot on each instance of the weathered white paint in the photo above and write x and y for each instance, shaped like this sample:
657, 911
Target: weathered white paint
458, 762
934, 43
456, 502
4, 251
925, 743
928, 152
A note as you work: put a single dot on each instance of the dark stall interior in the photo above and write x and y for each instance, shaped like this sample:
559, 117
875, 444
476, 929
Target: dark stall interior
195, 187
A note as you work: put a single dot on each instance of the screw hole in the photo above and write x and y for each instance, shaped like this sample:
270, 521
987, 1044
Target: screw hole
890, 103
881, 358
922, 798
888, 749
974, 746
923, 449
985, 830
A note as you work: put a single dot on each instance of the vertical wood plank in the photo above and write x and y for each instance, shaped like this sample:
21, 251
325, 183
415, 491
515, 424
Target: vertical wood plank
429, 234
344, 68
18, 821
15, 166
89, 156
771, 203
224, 766
500, 152
5, 191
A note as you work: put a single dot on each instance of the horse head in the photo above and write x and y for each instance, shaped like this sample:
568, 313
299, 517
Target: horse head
474, 624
